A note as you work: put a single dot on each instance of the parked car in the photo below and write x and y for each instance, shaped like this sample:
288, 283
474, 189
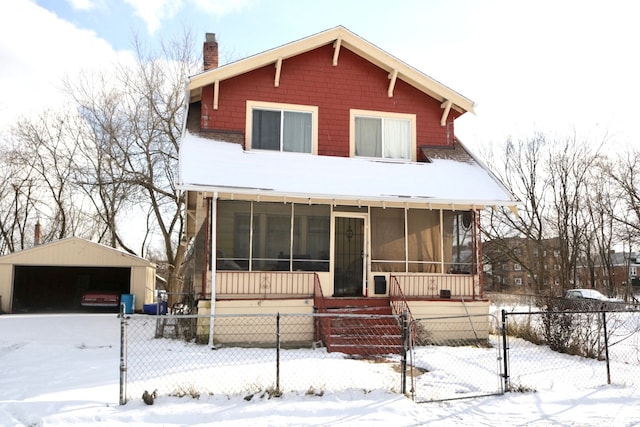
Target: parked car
594, 299
100, 299
586, 294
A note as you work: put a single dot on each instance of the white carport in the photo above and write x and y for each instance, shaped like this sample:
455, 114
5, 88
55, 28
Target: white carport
51, 277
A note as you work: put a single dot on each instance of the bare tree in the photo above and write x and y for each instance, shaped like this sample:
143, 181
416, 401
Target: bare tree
522, 170
46, 145
626, 174
554, 179
569, 163
134, 117
17, 203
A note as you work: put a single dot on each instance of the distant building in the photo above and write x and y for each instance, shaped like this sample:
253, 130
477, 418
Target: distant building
518, 263
521, 263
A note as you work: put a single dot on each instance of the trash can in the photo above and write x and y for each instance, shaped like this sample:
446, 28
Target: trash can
155, 308
129, 302
380, 284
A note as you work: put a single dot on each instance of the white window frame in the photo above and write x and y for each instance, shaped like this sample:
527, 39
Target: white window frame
517, 267
353, 113
275, 106
518, 281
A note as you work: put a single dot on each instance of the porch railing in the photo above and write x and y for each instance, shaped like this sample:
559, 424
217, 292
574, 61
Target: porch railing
397, 298
265, 284
323, 324
436, 286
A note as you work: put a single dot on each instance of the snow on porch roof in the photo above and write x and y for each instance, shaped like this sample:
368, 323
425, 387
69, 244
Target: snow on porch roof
209, 165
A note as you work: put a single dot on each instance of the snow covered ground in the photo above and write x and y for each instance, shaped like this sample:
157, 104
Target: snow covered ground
59, 370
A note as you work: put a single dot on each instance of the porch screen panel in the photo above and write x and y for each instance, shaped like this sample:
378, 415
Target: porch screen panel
271, 236
311, 237
387, 240
233, 231
423, 243
458, 229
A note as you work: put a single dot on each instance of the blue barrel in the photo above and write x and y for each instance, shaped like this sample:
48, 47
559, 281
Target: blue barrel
129, 302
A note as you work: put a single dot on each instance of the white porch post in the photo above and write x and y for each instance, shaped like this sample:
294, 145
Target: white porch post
213, 263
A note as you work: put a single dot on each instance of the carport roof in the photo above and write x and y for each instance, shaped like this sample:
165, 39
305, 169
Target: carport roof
74, 251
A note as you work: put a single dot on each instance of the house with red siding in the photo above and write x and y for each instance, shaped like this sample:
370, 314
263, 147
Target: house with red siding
326, 173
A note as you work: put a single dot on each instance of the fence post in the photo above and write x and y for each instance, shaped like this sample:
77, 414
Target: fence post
505, 350
278, 352
123, 356
606, 346
405, 345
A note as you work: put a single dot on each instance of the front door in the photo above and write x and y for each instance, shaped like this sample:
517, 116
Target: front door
349, 256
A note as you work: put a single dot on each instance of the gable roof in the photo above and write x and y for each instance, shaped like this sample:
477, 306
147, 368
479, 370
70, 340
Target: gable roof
339, 37
74, 251
225, 168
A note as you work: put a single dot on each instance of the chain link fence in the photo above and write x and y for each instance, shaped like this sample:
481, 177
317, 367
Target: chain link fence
252, 355
430, 359
583, 344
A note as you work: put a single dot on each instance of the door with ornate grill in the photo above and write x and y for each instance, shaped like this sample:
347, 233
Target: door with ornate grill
349, 268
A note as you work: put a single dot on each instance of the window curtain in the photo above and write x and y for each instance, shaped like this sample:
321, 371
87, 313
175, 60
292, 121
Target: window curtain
265, 133
397, 137
368, 135
297, 132
423, 240
387, 240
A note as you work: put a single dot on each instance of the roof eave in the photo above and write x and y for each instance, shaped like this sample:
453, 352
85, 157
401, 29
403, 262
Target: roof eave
351, 41
415, 201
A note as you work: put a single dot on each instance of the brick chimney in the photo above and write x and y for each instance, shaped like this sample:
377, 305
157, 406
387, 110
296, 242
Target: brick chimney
37, 238
210, 52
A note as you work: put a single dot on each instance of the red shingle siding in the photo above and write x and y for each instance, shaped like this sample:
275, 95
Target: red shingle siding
311, 79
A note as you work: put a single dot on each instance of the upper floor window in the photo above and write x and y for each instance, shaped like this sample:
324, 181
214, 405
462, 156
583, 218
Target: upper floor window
383, 135
282, 127
517, 267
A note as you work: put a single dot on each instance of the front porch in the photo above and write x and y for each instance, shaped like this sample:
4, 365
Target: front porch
363, 325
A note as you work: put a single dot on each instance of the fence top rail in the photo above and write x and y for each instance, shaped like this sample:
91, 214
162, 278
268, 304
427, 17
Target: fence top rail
522, 313
460, 316
266, 315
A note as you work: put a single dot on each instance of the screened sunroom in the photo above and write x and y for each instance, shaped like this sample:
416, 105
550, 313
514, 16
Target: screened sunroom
346, 245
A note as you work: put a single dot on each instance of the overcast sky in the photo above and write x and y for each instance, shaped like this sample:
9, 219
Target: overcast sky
550, 66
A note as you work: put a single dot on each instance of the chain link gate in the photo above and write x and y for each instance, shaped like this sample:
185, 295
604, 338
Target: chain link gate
455, 357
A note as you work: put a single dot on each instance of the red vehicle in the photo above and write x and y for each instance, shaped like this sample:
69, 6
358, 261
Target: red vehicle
100, 299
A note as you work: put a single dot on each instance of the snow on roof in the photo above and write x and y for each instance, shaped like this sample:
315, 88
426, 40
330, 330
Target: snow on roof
209, 165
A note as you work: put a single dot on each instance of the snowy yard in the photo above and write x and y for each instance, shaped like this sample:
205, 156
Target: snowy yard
59, 370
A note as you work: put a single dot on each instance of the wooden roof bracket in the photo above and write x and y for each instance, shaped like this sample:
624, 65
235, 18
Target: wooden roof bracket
276, 82
336, 50
392, 84
216, 93
447, 108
